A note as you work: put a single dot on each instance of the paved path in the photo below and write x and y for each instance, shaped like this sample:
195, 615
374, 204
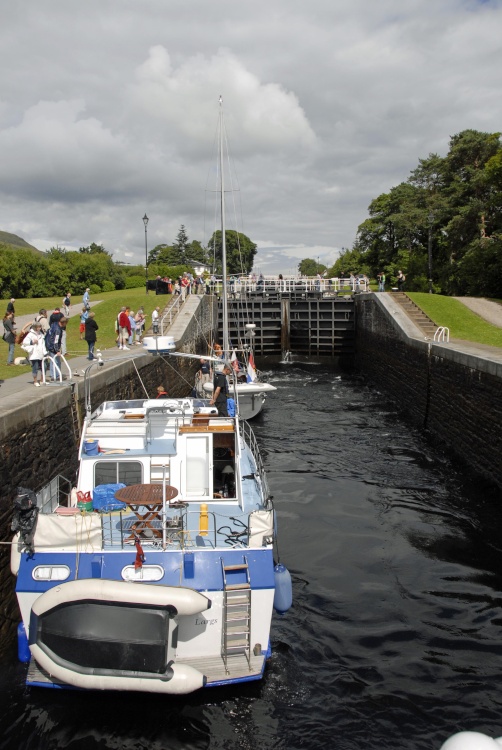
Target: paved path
485, 308
21, 320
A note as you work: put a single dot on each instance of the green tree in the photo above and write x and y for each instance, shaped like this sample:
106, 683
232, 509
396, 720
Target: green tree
240, 251
181, 245
94, 249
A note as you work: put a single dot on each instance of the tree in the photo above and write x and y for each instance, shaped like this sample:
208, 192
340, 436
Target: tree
181, 245
240, 251
94, 249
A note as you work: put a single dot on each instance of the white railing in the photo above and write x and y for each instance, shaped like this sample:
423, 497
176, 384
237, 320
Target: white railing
172, 311
57, 363
442, 334
244, 285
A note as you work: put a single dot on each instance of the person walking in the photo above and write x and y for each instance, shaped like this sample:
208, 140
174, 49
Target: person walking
86, 299
34, 344
90, 334
9, 335
10, 306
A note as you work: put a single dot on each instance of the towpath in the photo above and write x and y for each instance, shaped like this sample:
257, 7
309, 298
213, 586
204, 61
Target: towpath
485, 308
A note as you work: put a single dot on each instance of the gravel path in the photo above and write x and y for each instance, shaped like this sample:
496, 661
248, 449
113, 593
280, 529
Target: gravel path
485, 308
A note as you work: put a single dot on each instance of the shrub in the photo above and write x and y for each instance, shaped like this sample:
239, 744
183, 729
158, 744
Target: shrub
95, 289
108, 286
134, 282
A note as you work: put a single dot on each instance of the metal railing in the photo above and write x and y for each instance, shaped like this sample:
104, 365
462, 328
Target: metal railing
248, 435
172, 311
442, 334
245, 285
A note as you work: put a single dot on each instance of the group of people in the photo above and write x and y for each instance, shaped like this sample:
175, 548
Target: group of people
400, 279
129, 327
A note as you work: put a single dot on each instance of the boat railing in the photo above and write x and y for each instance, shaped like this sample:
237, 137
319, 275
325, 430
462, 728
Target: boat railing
249, 437
55, 493
180, 530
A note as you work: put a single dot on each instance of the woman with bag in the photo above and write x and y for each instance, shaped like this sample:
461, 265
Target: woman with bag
9, 335
34, 344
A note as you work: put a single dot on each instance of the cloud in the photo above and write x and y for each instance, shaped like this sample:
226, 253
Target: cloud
110, 109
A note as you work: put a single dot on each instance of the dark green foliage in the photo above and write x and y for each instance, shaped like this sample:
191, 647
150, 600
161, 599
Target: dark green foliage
457, 201
240, 251
134, 282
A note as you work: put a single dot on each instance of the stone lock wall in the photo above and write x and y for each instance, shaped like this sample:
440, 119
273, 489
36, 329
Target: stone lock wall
457, 397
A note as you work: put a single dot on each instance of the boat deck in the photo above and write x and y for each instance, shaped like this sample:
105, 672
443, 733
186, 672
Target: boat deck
211, 666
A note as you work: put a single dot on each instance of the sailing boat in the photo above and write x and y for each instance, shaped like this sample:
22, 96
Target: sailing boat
251, 390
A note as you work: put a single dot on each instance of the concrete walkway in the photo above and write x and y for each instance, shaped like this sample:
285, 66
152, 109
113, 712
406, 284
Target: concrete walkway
485, 308
22, 320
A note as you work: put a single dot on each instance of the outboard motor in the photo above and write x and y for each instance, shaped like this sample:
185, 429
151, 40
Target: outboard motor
25, 517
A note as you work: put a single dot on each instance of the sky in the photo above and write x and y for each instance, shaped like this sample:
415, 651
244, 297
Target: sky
109, 110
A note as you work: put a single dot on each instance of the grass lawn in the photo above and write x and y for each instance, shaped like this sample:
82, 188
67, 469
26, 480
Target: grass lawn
106, 313
462, 322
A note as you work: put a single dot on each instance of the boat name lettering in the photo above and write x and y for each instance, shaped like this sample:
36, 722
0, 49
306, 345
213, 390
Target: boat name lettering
205, 622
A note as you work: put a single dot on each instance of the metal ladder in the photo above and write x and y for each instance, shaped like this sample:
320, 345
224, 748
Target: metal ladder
236, 631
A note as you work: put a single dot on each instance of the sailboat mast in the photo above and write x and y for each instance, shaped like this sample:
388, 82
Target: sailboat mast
223, 240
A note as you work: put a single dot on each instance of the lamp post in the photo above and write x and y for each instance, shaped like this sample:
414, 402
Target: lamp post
145, 222
431, 219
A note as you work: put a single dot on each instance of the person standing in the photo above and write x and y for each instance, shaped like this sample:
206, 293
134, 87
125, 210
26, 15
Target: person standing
34, 344
54, 344
83, 317
381, 281
161, 392
401, 278
86, 299
124, 328
55, 316
139, 319
66, 304
155, 320
42, 319
9, 335
10, 306
220, 391
132, 321
90, 334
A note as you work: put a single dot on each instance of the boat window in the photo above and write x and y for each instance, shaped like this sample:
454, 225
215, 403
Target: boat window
51, 573
112, 472
146, 573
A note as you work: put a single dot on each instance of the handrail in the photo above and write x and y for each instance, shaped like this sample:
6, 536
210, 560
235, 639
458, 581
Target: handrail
289, 284
57, 368
171, 312
248, 435
442, 334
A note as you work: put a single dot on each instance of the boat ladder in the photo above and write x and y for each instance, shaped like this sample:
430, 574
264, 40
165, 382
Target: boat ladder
236, 631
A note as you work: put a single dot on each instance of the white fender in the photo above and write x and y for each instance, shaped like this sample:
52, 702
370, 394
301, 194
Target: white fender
186, 601
472, 741
15, 555
185, 679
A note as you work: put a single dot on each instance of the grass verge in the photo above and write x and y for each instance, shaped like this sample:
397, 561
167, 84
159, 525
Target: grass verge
462, 322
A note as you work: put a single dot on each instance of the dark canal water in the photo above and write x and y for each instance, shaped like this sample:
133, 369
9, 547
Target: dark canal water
395, 636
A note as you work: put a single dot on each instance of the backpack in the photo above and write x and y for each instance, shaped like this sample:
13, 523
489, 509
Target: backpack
49, 339
66, 301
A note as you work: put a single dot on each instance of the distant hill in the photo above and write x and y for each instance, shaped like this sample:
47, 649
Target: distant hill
14, 241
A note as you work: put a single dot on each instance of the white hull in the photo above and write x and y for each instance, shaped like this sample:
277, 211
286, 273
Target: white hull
251, 397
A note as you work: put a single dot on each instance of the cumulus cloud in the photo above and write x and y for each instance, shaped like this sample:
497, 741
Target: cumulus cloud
110, 110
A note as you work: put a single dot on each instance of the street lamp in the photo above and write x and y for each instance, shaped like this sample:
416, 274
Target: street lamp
145, 222
431, 219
